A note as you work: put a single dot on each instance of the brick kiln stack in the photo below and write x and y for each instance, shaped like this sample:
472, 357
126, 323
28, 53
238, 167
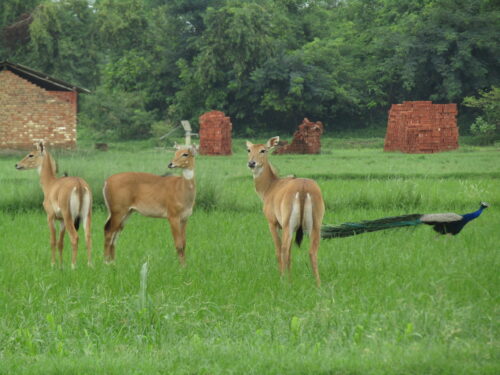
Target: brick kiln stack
422, 127
306, 140
215, 133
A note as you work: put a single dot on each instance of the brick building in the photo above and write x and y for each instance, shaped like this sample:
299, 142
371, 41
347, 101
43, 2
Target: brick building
422, 127
36, 107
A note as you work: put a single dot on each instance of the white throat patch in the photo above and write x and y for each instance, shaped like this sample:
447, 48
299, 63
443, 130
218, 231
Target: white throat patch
188, 174
257, 171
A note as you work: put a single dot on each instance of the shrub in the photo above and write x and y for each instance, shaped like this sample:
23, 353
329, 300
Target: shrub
116, 115
486, 128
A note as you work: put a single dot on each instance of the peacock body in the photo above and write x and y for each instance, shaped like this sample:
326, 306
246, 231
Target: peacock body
443, 223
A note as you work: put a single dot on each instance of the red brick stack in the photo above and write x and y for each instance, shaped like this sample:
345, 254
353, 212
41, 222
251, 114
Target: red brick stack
306, 140
215, 133
422, 127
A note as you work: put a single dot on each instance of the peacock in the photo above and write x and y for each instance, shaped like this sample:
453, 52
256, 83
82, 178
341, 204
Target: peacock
447, 223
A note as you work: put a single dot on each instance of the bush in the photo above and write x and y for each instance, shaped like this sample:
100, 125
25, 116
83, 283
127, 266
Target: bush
486, 127
484, 133
116, 115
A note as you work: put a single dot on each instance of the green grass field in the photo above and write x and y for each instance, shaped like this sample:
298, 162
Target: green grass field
401, 301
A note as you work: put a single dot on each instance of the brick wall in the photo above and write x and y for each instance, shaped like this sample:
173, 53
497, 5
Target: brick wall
29, 113
422, 127
215, 134
306, 140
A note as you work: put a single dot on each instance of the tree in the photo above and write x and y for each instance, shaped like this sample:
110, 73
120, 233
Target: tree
15, 19
487, 124
236, 40
61, 42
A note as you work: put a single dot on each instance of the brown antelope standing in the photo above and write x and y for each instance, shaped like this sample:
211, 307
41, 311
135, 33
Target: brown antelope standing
294, 205
170, 197
66, 199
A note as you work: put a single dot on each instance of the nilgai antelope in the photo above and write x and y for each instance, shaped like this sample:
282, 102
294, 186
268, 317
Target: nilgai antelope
294, 205
170, 197
66, 199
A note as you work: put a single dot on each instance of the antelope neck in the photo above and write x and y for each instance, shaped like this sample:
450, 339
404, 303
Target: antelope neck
188, 174
47, 174
264, 180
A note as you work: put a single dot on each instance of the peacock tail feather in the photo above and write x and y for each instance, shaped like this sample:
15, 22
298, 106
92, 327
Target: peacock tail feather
352, 229
445, 223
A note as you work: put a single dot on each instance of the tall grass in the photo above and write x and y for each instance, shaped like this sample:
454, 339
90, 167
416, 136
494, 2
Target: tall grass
400, 301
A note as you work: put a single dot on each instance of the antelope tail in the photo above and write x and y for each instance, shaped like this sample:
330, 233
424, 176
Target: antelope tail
306, 222
79, 203
295, 220
74, 206
86, 206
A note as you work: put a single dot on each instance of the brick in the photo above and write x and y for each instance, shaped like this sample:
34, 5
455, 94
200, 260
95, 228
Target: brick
215, 134
421, 127
29, 113
306, 140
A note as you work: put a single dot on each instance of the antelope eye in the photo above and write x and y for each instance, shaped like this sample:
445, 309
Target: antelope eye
185, 155
30, 155
262, 151
248, 150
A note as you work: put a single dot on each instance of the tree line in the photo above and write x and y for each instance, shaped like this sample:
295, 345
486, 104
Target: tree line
265, 63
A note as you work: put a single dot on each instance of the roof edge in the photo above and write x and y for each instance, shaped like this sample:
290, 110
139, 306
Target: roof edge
43, 77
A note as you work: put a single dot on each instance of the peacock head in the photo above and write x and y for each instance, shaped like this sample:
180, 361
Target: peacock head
484, 205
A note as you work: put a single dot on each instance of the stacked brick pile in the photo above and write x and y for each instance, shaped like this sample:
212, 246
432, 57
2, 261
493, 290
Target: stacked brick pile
215, 133
306, 140
422, 127
29, 113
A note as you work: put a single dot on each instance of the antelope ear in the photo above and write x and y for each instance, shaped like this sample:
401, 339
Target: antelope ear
272, 142
249, 144
194, 149
176, 146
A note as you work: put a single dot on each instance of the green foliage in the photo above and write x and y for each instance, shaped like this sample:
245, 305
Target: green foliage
484, 132
116, 114
237, 38
265, 63
62, 42
10, 10
121, 24
486, 128
161, 128
488, 103
15, 16
130, 72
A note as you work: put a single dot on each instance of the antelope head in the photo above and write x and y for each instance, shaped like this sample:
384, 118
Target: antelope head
183, 158
257, 154
34, 159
